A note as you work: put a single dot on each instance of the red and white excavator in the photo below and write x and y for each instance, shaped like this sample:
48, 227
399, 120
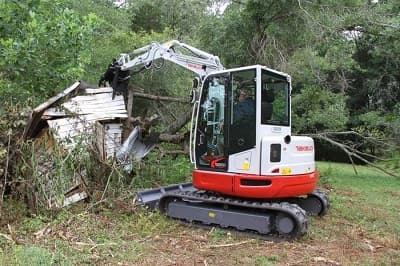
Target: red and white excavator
250, 173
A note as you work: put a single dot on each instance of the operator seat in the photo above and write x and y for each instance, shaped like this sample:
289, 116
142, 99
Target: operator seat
267, 98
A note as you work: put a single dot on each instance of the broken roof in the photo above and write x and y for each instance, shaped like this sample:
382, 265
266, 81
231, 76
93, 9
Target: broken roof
69, 116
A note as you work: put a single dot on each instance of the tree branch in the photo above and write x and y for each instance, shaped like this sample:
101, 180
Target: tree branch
351, 152
160, 98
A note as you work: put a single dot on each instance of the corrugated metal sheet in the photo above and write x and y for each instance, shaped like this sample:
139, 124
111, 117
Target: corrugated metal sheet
83, 112
99, 104
71, 117
35, 118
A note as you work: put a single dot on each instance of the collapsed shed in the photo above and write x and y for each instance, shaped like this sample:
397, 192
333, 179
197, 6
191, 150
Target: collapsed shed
77, 113
82, 117
77, 117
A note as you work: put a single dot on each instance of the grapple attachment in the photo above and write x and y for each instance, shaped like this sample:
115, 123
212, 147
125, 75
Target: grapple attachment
117, 78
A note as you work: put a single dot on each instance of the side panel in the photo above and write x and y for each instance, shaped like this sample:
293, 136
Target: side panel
214, 181
246, 162
296, 157
263, 187
255, 186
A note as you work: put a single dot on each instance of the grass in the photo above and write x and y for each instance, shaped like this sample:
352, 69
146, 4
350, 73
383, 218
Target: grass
361, 229
265, 260
369, 199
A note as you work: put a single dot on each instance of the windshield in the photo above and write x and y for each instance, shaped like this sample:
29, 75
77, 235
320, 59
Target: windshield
274, 99
210, 142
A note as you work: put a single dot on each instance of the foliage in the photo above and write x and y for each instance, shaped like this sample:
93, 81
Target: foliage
168, 170
181, 17
379, 57
31, 255
318, 110
46, 171
12, 123
266, 260
43, 45
379, 124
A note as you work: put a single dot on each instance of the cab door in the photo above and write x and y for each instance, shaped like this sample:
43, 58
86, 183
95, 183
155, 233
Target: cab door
226, 121
210, 147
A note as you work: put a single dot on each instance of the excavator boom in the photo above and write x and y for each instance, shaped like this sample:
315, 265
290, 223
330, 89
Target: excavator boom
120, 70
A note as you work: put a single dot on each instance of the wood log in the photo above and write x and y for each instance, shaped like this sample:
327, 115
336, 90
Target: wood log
159, 98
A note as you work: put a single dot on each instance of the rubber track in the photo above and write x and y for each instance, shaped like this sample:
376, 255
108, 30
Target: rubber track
318, 194
273, 208
324, 200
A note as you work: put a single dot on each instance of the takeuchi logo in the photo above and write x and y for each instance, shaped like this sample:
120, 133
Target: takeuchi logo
194, 66
305, 148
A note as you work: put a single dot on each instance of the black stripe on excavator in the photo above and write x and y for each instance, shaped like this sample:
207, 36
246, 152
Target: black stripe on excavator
282, 220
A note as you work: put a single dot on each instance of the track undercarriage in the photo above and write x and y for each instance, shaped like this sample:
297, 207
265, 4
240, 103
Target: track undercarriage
283, 218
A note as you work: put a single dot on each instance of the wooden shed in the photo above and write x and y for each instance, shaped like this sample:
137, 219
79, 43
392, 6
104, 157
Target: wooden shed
78, 115
83, 115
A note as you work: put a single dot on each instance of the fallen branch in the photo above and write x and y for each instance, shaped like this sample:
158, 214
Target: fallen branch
325, 261
177, 138
159, 98
12, 236
93, 245
7, 237
42, 232
3, 187
352, 152
231, 245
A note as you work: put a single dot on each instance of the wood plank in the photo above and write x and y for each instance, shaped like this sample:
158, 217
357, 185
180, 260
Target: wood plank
98, 110
113, 132
107, 116
64, 127
109, 126
99, 135
100, 96
130, 103
95, 103
35, 116
104, 102
90, 119
89, 97
95, 108
99, 90
54, 111
52, 100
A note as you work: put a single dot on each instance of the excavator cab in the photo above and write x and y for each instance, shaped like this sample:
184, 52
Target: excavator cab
243, 144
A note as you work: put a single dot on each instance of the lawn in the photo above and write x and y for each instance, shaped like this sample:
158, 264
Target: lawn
361, 228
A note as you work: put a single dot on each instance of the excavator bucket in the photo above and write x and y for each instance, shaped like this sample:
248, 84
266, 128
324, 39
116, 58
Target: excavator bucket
133, 148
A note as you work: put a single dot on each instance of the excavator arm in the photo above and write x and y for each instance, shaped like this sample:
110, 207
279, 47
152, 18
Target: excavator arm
120, 70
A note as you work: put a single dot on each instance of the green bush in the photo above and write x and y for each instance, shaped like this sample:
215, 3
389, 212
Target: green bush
318, 110
44, 46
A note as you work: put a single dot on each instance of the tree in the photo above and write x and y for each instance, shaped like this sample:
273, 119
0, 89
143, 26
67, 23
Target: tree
317, 110
44, 46
181, 17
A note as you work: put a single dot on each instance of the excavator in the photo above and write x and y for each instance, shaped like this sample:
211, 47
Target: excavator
250, 173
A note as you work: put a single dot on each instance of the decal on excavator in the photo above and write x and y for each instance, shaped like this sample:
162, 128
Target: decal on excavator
305, 148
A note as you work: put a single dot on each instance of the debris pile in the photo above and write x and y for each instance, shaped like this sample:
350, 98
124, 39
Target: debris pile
70, 124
